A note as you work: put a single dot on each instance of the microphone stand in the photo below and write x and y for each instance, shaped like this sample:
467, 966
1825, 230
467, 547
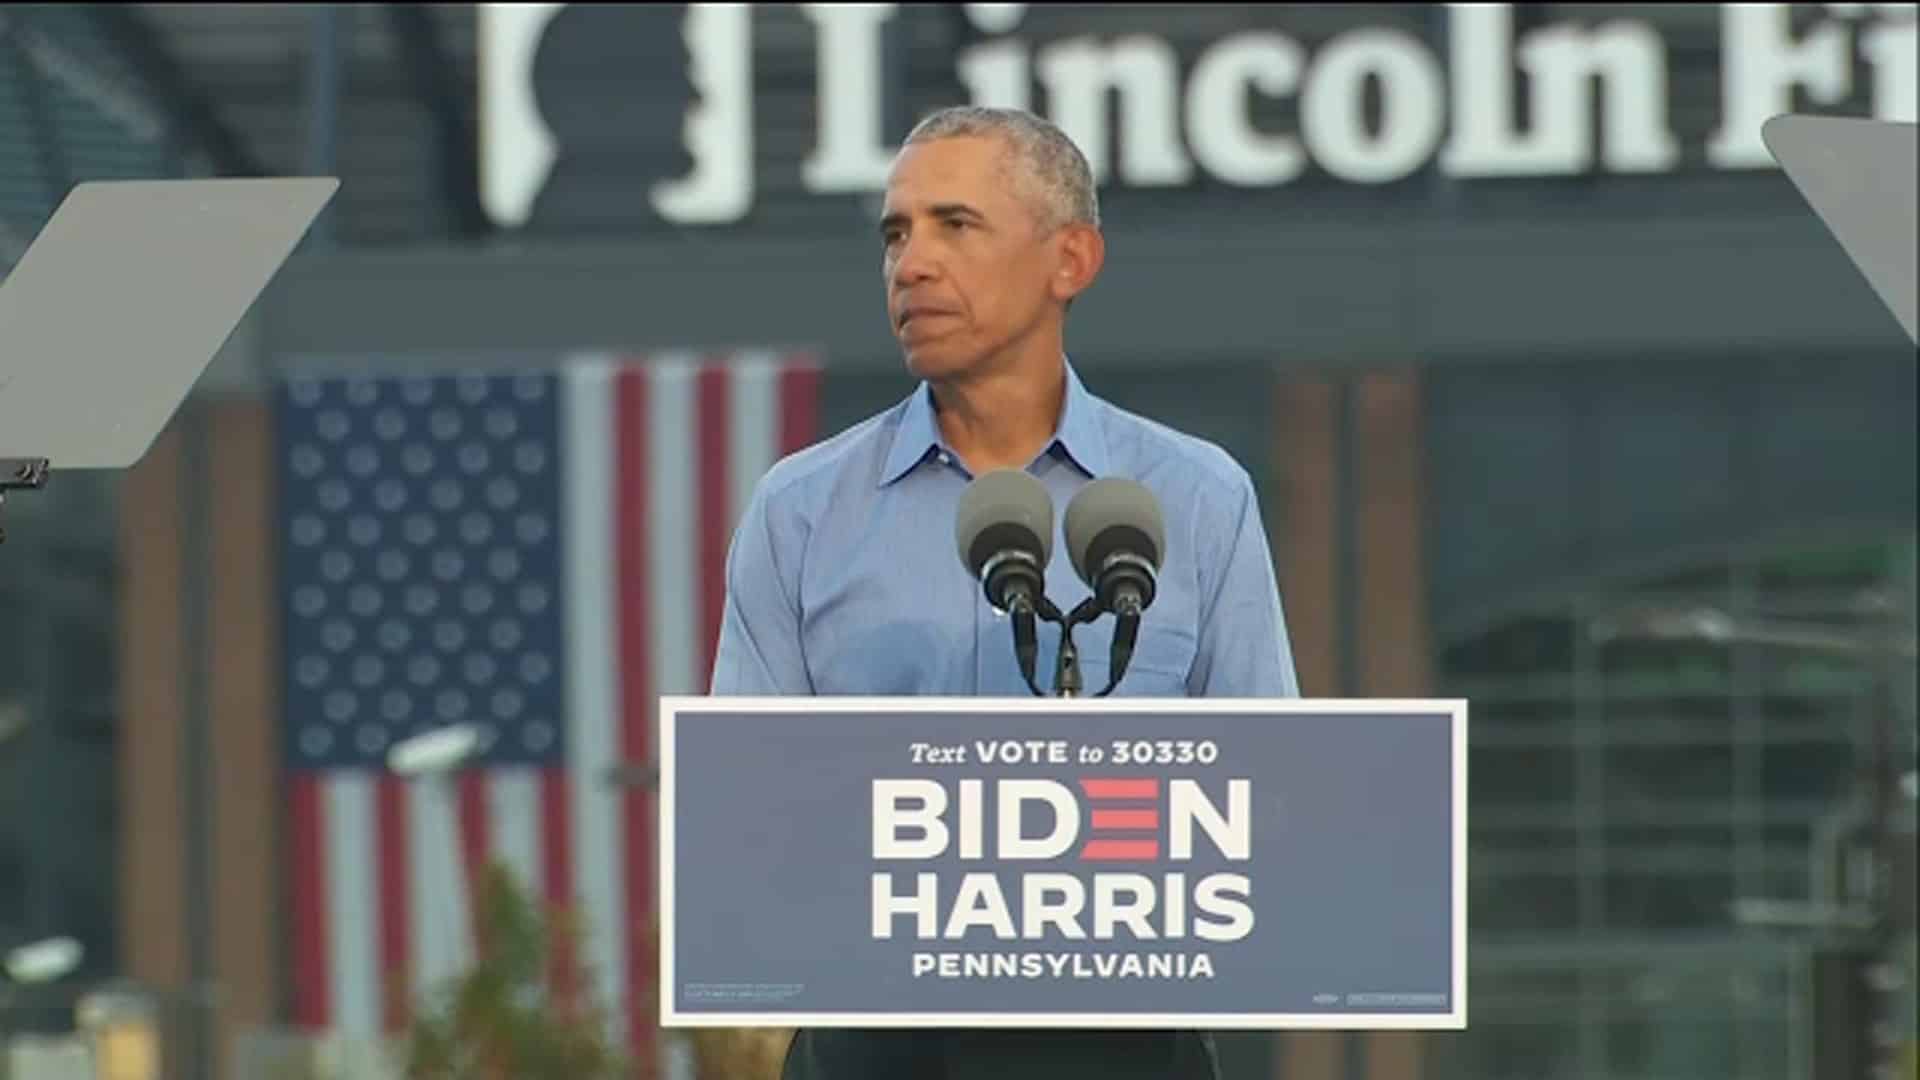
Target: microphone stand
1066, 670
1067, 680
1026, 638
1027, 614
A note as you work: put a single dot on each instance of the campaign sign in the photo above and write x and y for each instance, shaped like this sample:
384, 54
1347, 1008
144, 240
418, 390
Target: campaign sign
1071, 863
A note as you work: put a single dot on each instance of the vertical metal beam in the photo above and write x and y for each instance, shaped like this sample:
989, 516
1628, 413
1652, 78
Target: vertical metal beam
197, 503
1746, 671
444, 95
1589, 815
40, 749
1890, 756
323, 80
1589, 747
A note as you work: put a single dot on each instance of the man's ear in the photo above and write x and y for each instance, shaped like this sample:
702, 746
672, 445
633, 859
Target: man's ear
1083, 251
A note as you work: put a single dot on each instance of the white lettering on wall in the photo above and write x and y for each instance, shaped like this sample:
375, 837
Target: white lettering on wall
1561, 64
1760, 65
1904, 11
995, 18
1889, 47
719, 129
849, 155
1412, 96
1078, 76
1630, 63
1596, 97
996, 74
1219, 129
516, 146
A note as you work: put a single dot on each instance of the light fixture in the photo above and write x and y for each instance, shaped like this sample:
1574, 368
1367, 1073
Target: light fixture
438, 751
44, 961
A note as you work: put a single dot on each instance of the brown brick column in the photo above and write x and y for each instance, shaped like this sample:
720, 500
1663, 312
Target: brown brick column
242, 767
1394, 653
243, 708
1306, 430
1348, 535
1306, 534
152, 721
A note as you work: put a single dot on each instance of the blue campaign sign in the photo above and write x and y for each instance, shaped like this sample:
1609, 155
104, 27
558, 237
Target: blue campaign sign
1139, 863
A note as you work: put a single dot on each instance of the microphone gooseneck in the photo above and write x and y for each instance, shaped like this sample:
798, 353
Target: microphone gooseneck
1026, 642
1117, 541
1126, 630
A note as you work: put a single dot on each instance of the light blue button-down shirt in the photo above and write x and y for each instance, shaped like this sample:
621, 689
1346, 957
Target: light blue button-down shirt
844, 577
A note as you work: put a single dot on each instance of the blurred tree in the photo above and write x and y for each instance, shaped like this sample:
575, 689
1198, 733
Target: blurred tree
500, 1020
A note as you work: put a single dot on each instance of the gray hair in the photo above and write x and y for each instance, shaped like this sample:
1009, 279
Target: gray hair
1056, 176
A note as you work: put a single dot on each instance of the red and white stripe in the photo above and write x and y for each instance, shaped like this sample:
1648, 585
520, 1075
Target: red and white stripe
660, 455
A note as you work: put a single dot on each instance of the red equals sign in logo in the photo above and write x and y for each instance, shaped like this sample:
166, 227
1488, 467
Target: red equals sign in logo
1122, 829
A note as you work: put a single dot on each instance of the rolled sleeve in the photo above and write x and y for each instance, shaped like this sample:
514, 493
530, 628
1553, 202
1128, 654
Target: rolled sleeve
760, 651
1244, 651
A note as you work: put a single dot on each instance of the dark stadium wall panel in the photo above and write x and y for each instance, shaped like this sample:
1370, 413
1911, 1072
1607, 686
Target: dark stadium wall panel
1550, 479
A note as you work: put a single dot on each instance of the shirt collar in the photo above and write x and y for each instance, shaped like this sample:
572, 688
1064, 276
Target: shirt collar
1078, 432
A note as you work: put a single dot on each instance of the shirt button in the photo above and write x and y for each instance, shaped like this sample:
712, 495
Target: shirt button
944, 459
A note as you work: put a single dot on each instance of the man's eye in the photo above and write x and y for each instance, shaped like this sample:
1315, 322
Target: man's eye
956, 223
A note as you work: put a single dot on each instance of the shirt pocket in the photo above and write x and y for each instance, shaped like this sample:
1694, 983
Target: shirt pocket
1161, 663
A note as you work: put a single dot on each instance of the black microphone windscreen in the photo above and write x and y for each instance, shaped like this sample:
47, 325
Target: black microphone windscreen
1002, 509
1122, 511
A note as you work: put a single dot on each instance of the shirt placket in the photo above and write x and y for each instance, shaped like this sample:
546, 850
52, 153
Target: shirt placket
984, 620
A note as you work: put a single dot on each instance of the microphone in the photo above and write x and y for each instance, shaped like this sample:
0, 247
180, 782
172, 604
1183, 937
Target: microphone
1117, 541
1004, 530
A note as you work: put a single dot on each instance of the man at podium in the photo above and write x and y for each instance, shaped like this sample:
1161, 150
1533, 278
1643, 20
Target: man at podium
842, 578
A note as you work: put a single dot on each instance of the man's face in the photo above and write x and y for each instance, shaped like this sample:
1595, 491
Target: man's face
967, 265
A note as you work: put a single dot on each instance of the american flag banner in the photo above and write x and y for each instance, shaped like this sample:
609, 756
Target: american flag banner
538, 554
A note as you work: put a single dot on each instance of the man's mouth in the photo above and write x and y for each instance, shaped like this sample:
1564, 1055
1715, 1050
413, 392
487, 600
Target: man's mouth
920, 313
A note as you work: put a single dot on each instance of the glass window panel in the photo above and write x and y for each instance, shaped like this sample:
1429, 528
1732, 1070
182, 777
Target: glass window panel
1519, 838
1507, 707
1670, 772
1681, 1041
1503, 904
1715, 767
1525, 776
1807, 772
1500, 988
13, 887
1671, 899
1836, 567
1654, 836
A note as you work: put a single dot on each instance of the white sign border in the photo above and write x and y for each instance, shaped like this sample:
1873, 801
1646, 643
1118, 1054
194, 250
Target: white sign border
672, 707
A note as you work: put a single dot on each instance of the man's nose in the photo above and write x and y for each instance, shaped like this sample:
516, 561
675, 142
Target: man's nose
913, 263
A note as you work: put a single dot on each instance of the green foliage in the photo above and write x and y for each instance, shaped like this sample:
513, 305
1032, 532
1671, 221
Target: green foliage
499, 1020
